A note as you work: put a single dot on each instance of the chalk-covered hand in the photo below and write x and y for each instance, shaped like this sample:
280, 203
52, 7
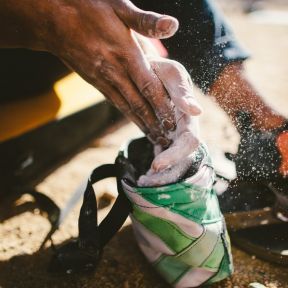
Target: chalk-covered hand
169, 165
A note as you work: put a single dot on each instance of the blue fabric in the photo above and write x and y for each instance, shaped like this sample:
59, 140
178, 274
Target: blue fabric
204, 43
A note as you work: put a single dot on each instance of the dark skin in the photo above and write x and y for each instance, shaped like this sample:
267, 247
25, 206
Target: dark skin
234, 92
93, 37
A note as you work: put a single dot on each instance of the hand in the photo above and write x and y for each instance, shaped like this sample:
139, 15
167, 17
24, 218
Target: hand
169, 165
97, 44
94, 39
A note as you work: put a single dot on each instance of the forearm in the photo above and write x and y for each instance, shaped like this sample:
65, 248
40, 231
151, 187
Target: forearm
22, 23
234, 92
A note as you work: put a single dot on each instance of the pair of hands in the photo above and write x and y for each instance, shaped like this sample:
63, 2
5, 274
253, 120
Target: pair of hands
95, 38
101, 47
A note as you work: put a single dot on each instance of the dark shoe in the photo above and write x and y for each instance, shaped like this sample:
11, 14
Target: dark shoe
263, 156
253, 223
256, 204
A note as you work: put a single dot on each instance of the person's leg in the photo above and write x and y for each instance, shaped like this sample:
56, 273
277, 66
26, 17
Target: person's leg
204, 43
206, 46
263, 148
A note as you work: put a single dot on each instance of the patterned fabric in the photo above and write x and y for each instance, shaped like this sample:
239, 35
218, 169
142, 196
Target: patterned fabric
180, 229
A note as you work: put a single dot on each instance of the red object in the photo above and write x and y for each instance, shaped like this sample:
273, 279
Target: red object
160, 47
282, 143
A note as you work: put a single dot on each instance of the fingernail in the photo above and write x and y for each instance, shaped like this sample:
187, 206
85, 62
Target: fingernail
167, 25
195, 107
158, 168
168, 125
195, 110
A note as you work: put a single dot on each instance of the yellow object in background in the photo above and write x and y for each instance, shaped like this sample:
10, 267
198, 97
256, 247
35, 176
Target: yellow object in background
69, 95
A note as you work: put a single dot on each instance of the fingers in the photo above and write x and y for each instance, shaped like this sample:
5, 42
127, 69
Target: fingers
137, 104
170, 165
115, 98
149, 24
167, 176
100, 48
181, 149
152, 89
177, 82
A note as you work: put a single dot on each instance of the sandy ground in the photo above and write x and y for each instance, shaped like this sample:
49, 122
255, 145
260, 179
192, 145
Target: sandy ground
22, 228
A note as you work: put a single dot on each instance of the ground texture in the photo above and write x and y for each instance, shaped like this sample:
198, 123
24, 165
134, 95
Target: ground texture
22, 228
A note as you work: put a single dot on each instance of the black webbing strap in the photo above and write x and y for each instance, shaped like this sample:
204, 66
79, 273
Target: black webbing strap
84, 253
89, 231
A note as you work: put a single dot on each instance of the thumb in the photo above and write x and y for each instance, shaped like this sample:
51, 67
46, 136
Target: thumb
147, 23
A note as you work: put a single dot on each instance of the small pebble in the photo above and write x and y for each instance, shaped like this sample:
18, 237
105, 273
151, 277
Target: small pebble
256, 285
69, 271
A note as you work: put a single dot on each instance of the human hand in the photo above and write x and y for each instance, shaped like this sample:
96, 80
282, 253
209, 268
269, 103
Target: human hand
169, 165
94, 39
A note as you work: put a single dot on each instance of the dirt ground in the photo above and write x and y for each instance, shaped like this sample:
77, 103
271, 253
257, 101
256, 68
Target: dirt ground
22, 228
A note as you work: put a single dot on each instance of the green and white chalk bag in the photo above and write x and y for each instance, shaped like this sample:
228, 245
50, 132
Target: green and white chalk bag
180, 229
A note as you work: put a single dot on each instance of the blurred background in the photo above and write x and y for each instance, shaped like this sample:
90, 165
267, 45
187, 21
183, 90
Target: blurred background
75, 113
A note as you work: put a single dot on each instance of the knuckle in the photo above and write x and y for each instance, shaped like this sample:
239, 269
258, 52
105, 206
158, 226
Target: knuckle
122, 103
99, 4
172, 67
142, 20
98, 62
148, 89
122, 57
139, 108
105, 69
153, 99
123, 107
147, 23
178, 66
107, 72
128, 112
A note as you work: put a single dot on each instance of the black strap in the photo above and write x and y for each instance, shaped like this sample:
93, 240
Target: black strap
90, 234
84, 254
89, 230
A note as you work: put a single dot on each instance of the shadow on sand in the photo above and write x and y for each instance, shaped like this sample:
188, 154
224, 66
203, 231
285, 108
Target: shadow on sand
122, 265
